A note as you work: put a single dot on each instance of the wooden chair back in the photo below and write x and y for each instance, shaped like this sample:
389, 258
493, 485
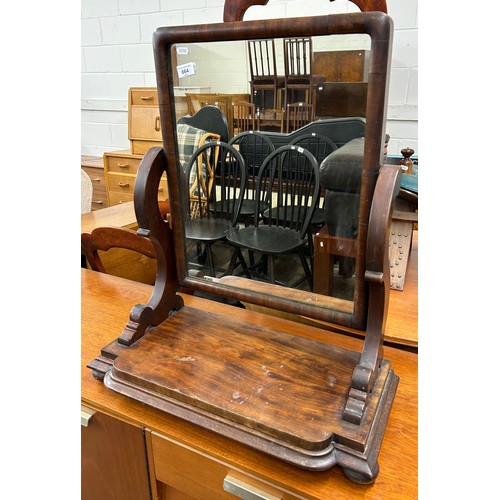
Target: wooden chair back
254, 148
113, 250
289, 177
298, 114
243, 116
263, 72
272, 119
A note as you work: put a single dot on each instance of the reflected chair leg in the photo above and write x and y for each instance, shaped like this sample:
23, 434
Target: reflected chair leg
270, 266
232, 262
306, 267
251, 258
210, 257
201, 252
310, 246
346, 266
261, 267
244, 264
237, 256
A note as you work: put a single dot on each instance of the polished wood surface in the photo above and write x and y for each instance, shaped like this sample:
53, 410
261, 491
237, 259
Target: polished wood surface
122, 215
106, 305
402, 318
114, 463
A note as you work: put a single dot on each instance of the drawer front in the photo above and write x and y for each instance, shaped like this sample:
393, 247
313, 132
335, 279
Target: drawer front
121, 183
99, 201
141, 147
143, 96
144, 123
115, 198
121, 188
122, 164
99, 198
96, 175
186, 470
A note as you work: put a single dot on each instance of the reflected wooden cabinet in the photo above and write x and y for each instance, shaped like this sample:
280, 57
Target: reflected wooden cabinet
345, 91
94, 168
342, 65
144, 132
120, 170
144, 129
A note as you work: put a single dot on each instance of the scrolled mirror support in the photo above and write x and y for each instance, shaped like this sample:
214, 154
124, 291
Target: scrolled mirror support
377, 277
234, 10
151, 224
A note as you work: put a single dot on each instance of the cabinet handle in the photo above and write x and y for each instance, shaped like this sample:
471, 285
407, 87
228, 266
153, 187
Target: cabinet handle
87, 415
96, 179
123, 165
241, 489
146, 97
157, 123
97, 202
123, 184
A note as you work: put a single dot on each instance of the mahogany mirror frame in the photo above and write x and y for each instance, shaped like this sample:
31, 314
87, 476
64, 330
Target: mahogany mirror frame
356, 422
379, 27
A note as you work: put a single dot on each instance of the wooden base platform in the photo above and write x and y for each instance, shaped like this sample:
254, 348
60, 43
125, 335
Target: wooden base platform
278, 393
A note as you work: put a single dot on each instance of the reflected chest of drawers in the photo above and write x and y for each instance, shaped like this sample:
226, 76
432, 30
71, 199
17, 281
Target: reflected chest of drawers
120, 170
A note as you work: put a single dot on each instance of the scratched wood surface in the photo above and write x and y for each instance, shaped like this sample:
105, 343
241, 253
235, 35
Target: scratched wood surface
106, 305
250, 375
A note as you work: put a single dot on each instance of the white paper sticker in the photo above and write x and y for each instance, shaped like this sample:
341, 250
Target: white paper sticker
182, 50
187, 69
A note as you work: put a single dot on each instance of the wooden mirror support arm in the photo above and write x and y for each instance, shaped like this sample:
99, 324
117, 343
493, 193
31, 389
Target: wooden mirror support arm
377, 277
151, 224
234, 10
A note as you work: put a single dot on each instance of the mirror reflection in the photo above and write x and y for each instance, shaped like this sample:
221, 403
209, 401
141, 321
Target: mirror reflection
269, 135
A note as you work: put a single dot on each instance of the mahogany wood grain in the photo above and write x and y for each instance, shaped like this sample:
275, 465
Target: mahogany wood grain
106, 304
234, 10
250, 375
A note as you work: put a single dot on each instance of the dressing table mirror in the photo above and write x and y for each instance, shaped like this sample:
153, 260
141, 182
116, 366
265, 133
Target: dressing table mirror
304, 402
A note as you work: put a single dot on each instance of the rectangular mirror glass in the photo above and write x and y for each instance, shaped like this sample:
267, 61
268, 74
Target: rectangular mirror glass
328, 76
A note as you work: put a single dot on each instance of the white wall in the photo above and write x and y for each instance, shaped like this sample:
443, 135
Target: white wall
117, 54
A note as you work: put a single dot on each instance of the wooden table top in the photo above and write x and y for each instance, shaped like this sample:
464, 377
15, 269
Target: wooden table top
106, 304
402, 317
122, 215
92, 161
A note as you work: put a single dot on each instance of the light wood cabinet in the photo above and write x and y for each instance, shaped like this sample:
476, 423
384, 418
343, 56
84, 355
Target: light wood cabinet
183, 472
144, 129
113, 459
93, 165
120, 170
